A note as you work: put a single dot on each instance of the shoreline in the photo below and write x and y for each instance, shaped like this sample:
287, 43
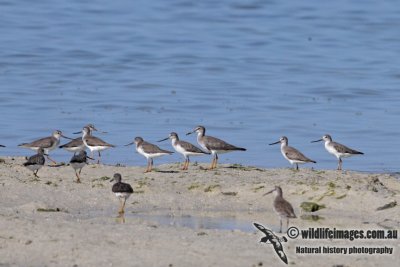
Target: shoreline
197, 217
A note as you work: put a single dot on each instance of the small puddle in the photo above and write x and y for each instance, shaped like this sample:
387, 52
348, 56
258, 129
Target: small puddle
198, 222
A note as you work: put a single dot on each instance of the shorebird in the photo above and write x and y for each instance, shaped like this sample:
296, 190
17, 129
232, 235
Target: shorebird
292, 154
47, 143
213, 145
184, 148
149, 151
282, 207
122, 190
77, 162
338, 150
36, 161
94, 143
77, 145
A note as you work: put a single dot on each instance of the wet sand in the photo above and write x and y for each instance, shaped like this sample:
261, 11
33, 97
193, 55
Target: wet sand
185, 218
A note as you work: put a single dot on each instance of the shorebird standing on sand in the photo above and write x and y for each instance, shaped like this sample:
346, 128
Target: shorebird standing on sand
47, 143
122, 190
36, 162
184, 148
77, 145
282, 207
149, 151
77, 162
93, 143
213, 145
292, 154
338, 150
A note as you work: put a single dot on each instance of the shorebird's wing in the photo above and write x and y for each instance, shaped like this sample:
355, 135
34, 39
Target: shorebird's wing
213, 143
344, 149
191, 148
95, 141
150, 148
43, 142
34, 160
293, 154
285, 208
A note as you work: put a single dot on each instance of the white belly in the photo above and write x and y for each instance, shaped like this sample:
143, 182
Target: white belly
123, 195
332, 151
148, 155
185, 153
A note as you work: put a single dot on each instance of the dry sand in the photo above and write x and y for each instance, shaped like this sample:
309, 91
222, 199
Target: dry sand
83, 229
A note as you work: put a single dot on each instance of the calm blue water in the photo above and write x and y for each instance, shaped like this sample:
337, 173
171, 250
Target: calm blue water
250, 71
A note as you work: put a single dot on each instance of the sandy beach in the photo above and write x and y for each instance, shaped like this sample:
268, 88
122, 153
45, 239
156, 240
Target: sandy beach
186, 218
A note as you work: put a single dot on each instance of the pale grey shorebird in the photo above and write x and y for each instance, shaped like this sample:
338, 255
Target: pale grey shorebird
213, 145
36, 162
77, 145
338, 150
122, 190
47, 143
149, 151
94, 143
292, 154
282, 207
77, 162
184, 148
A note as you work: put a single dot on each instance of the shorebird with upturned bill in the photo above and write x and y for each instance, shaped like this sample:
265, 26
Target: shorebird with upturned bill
292, 154
77, 162
149, 151
184, 148
282, 207
77, 145
94, 143
338, 150
122, 190
36, 162
47, 143
213, 145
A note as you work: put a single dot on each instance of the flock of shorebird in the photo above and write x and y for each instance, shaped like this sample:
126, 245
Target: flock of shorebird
209, 145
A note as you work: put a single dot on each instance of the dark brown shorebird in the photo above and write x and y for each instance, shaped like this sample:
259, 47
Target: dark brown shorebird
77, 162
292, 154
122, 190
213, 145
282, 207
47, 143
36, 162
77, 145
184, 148
94, 143
338, 150
149, 151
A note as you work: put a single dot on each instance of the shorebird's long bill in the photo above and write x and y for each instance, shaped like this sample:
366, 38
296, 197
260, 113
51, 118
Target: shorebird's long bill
275, 143
190, 132
163, 139
77, 132
66, 137
130, 144
269, 192
317, 141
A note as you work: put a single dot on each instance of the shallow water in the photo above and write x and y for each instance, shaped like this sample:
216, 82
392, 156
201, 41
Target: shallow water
250, 72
